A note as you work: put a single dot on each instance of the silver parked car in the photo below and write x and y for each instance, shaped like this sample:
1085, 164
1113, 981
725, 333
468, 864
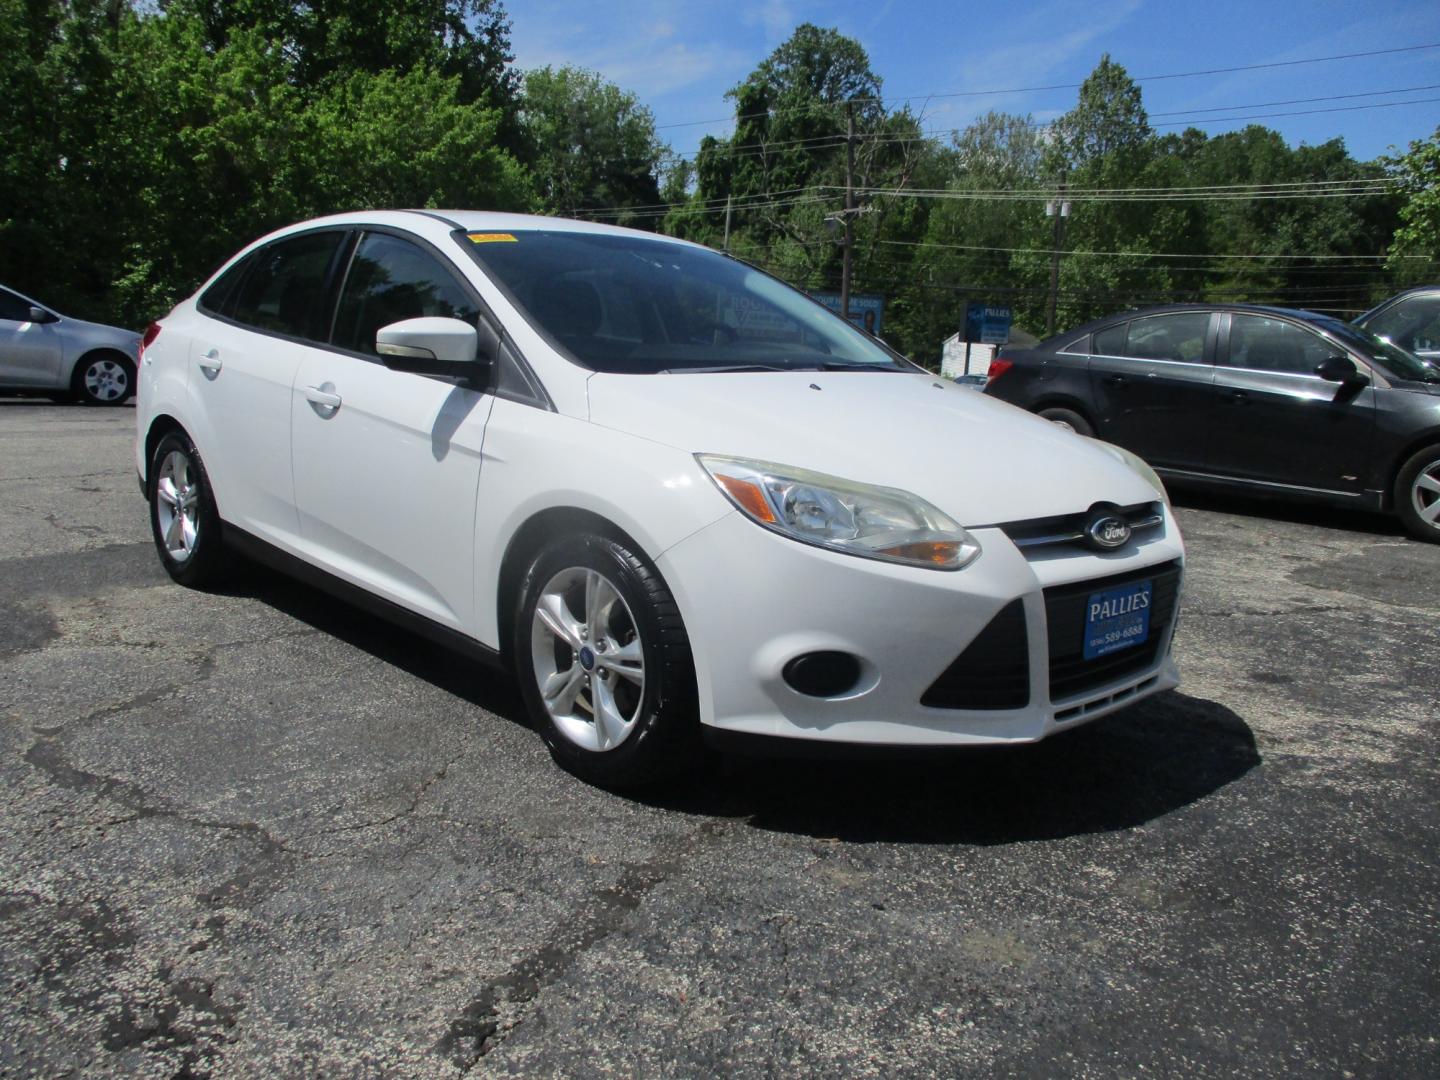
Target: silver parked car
42, 350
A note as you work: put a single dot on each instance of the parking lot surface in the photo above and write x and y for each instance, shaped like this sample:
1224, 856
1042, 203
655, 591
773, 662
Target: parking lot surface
257, 832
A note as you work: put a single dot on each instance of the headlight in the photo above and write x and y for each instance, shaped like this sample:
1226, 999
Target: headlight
872, 522
1136, 462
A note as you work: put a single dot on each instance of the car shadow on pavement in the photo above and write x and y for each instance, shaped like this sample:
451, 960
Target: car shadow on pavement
1116, 773
1119, 772
1296, 512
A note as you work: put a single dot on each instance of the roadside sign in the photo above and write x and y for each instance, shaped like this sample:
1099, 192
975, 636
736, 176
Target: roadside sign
866, 309
987, 324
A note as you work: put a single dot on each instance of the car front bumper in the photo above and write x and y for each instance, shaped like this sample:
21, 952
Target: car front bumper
753, 601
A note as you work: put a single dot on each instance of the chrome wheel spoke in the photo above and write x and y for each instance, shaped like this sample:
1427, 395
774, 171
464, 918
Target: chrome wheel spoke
187, 531
552, 612
172, 533
1431, 513
165, 489
600, 597
610, 727
1427, 482
561, 689
627, 662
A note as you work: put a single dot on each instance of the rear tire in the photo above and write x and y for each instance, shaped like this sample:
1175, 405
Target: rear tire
183, 518
597, 624
1067, 418
103, 378
1417, 495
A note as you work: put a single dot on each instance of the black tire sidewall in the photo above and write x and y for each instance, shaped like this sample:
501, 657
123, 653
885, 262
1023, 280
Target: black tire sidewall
1078, 423
203, 566
666, 734
77, 381
1414, 524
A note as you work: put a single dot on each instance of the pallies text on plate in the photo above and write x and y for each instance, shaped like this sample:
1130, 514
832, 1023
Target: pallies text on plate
1108, 609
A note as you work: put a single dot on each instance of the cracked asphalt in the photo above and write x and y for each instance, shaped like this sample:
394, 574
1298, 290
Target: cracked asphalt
260, 833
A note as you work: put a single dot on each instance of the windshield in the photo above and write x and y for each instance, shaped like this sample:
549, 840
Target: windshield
639, 306
1394, 359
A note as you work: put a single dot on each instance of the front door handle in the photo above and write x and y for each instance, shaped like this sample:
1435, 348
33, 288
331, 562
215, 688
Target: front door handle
322, 399
1115, 380
210, 364
1237, 397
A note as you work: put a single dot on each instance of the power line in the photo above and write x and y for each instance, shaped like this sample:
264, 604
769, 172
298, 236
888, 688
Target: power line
1061, 86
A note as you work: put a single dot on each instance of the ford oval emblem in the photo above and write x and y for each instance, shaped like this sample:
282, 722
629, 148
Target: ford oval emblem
1106, 531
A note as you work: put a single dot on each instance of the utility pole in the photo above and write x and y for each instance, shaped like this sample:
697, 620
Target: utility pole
1059, 209
849, 210
729, 199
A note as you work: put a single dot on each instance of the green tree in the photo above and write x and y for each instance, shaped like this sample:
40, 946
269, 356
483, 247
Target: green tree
593, 144
1416, 175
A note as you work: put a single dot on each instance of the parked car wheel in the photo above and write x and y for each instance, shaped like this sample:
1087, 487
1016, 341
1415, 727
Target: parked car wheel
103, 378
1067, 418
183, 518
604, 664
1417, 494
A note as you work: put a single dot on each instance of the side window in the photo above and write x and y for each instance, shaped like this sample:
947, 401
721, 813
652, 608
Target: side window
1412, 324
285, 290
1169, 337
1111, 340
1080, 346
392, 279
218, 297
1261, 343
13, 308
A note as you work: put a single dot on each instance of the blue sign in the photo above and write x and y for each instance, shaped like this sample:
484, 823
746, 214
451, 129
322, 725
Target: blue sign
988, 324
1117, 619
866, 309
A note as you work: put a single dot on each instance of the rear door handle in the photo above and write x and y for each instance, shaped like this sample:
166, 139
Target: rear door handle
210, 364
1115, 380
1237, 397
325, 403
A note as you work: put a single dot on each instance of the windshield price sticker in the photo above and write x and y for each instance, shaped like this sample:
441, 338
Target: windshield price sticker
1117, 619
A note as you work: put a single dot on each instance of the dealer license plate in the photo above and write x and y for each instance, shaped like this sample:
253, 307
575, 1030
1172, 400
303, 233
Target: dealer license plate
1117, 618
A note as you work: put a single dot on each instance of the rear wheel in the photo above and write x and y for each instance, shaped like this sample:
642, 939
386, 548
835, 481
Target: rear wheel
604, 663
183, 518
1417, 494
103, 378
1067, 418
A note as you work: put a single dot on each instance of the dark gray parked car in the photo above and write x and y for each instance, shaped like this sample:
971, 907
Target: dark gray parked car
41, 350
1235, 396
1410, 319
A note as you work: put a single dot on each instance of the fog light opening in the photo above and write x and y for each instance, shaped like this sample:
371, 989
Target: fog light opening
823, 674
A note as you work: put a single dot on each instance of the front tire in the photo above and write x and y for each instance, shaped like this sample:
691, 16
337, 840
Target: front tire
604, 664
183, 518
103, 378
1417, 494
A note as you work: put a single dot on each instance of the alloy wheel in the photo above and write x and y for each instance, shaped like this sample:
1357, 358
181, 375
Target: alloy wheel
1425, 493
588, 659
177, 505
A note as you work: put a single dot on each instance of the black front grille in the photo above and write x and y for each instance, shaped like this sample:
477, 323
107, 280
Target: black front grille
994, 670
1070, 528
1070, 672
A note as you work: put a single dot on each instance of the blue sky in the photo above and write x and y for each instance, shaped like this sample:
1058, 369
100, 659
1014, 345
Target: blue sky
681, 58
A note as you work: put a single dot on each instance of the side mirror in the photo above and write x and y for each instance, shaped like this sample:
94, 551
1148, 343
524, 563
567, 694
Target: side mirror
432, 346
1340, 369
40, 315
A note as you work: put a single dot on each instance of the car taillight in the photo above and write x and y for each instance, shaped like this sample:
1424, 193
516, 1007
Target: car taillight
151, 333
998, 367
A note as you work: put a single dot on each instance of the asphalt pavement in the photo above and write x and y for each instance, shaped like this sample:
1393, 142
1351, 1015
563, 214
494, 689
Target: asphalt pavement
259, 833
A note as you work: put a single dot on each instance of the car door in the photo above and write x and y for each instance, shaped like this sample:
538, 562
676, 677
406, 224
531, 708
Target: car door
243, 359
1150, 380
29, 350
387, 463
1275, 420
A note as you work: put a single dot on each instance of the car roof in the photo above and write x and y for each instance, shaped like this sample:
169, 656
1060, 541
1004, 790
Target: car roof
477, 221
1165, 309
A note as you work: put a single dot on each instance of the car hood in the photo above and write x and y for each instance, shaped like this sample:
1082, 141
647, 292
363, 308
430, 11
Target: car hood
980, 460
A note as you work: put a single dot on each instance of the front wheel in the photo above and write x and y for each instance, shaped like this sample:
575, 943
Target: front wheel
604, 663
183, 518
1417, 495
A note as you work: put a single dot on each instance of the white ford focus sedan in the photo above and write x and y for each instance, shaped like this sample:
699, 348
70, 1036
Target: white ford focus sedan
676, 496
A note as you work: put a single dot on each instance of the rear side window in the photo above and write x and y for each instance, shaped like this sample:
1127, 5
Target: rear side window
392, 279
1169, 337
1111, 340
1264, 344
285, 289
217, 299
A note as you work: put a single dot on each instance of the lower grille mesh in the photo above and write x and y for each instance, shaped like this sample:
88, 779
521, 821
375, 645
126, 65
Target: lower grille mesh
993, 672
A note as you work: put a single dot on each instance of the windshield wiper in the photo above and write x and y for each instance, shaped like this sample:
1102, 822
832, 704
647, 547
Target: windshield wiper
717, 368
835, 365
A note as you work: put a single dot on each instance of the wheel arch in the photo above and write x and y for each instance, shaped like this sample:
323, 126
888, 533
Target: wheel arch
1061, 400
529, 538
